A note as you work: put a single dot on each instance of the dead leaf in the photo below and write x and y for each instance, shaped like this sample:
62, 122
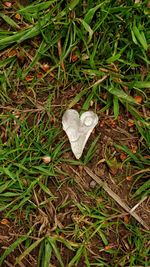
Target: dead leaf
4, 222
130, 123
112, 124
52, 120
125, 88
134, 148
129, 178
21, 56
29, 78
45, 67
147, 157
12, 53
85, 57
74, 58
101, 161
39, 75
24, 181
8, 4
3, 238
108, 247
120, 117
103, 69
123, 156
138, 99
99, 200
126, 219
114, 165
17, 16
117, 80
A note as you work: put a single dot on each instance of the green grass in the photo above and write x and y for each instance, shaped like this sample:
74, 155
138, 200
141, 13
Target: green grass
70, 54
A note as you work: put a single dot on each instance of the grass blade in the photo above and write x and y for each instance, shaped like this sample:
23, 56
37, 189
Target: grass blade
87, 28
28, 250
126, 150
140, 37
91, 12
143, 188
120, 94
91, 151
116, 106
141, 84
57, 253
77, 257
10, 21
12, 247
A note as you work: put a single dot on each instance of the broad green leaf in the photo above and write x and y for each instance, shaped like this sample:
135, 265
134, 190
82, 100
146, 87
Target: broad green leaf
25, 34
41, 254
116, 56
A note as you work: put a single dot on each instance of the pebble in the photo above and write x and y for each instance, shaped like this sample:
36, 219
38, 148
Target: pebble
93, 184
46, 159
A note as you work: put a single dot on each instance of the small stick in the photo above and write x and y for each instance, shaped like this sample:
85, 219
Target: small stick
115, 197
138, 204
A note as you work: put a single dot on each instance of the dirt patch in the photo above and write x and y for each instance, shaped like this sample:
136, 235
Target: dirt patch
10, 231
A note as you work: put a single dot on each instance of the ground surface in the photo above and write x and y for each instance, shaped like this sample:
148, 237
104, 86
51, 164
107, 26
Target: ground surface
59, 211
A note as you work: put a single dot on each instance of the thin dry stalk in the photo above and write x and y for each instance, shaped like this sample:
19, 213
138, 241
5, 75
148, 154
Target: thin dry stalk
115, 197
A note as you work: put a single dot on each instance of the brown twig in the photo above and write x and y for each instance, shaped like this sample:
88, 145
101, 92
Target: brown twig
115, 197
